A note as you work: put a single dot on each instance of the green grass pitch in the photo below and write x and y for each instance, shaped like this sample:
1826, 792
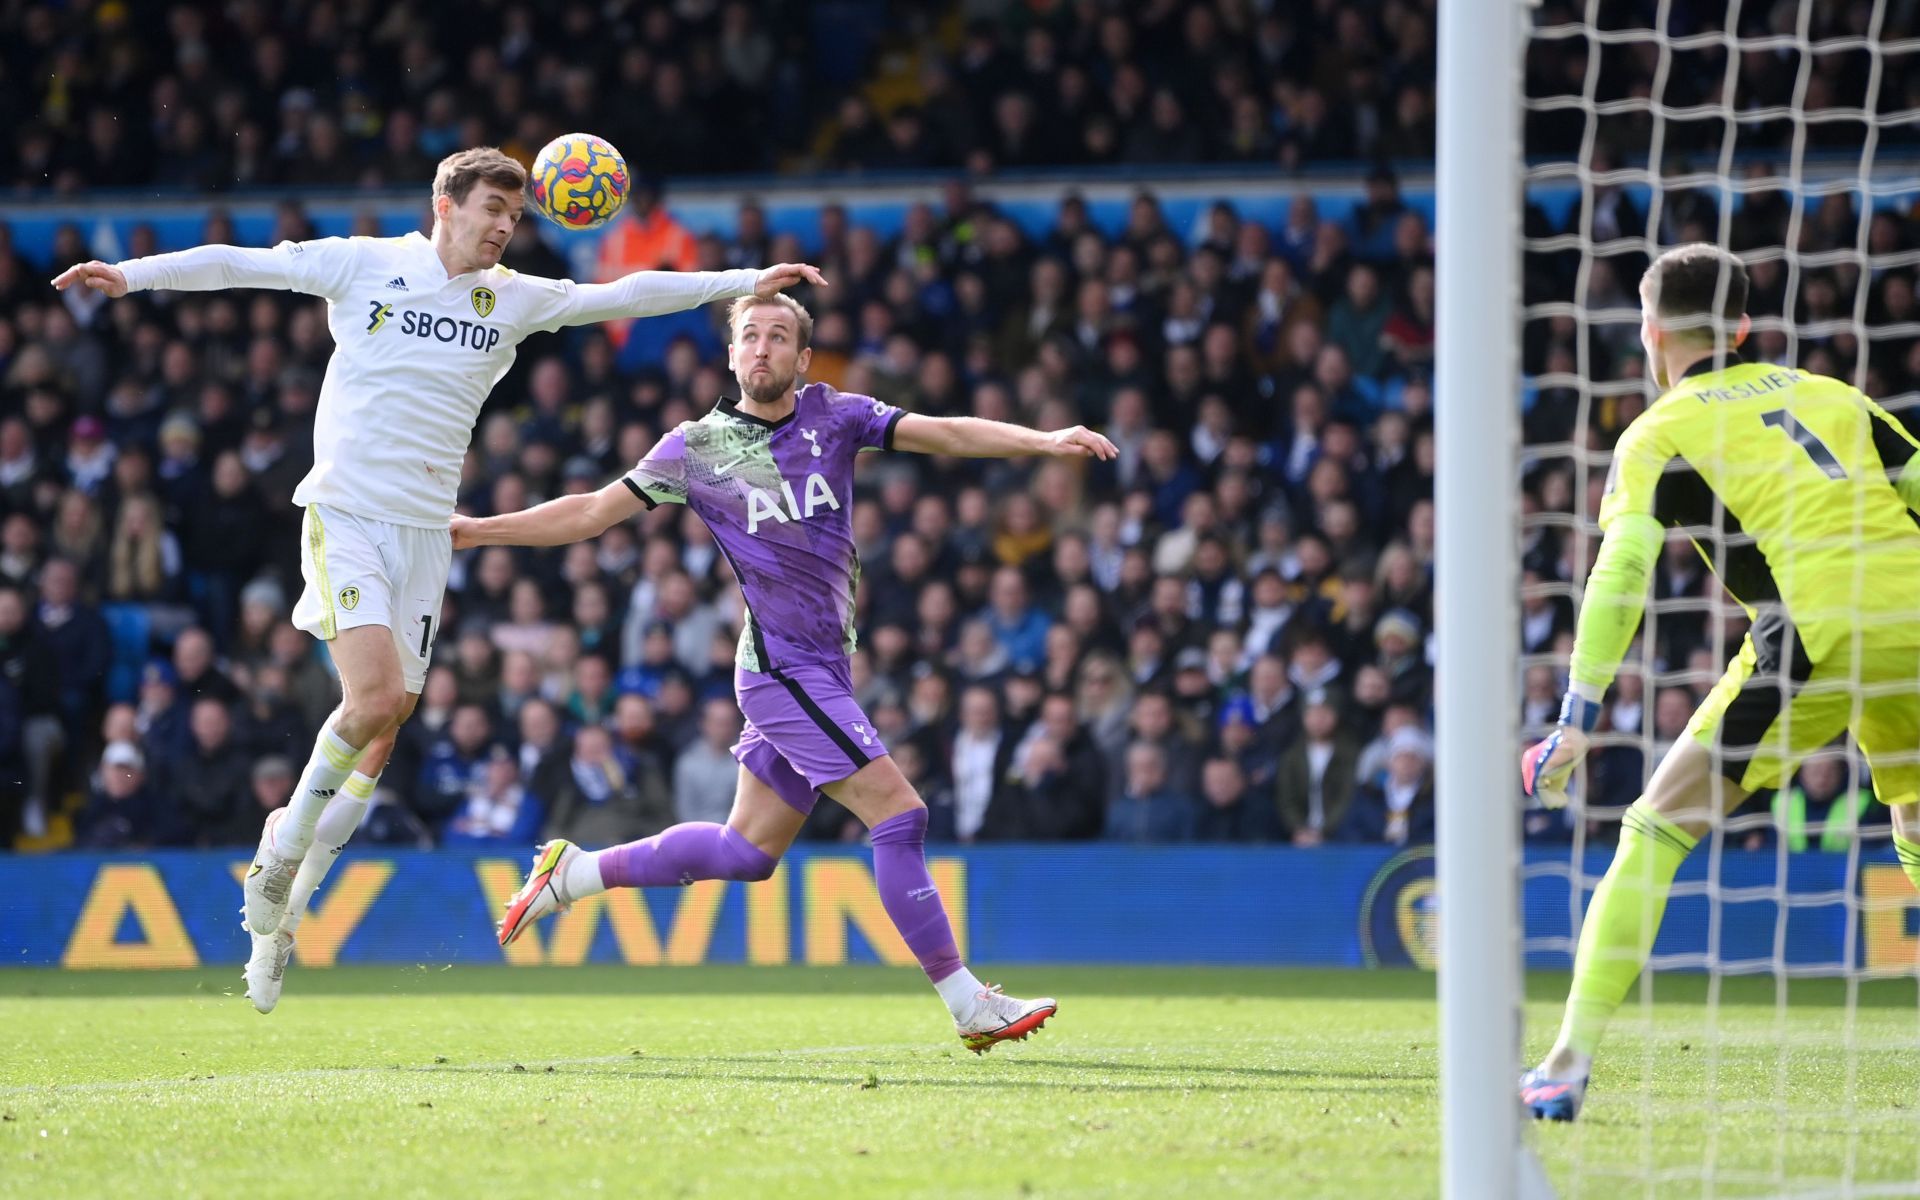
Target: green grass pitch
788, 1083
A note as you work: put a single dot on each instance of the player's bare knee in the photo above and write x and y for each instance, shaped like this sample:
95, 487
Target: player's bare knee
370, 711
896, 802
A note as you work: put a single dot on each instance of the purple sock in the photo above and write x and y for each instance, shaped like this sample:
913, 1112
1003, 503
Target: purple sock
676, 857
907, 892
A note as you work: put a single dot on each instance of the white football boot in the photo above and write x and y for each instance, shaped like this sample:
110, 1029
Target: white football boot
267, 969
998, 1017
269, 882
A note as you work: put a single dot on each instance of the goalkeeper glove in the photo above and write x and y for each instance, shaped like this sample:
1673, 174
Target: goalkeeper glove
1546, 769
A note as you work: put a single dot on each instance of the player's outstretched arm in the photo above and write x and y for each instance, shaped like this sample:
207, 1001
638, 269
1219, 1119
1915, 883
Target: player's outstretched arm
654, 293
1610, 611
555, 523
976, 437
204, 269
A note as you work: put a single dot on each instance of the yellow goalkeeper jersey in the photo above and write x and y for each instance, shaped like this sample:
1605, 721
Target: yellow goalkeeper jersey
1785, 481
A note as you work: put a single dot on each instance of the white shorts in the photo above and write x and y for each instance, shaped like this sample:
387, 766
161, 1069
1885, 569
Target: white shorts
361, 571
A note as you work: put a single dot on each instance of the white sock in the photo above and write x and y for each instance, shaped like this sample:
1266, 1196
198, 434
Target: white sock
332, 831
326, 771
1564, 1062
961, 991
581, 877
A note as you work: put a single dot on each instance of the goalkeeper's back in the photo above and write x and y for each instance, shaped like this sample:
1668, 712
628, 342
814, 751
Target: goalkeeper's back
1794, 486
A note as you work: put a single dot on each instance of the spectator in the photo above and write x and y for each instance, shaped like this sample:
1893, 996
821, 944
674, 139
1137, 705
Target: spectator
269, 786
1155, 721
1397, 635
1148, 808
496, 811
19, 550
592, 696
225, 539
452, 765
705, 774
1824, 810
120, 813
1358, 322
543, 750
209, 783
196, 672
977, 763
28, 665
143, 558
265, 722
605, 799
1054, 785
636, 735
1316, 776
1229, 811
1399, 809
1274, 705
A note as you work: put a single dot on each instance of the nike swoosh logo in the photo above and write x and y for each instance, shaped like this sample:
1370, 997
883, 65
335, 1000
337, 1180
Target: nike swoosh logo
723, 468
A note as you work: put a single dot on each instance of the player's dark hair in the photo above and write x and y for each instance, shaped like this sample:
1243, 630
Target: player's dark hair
1697, 288
802, 318
459, 173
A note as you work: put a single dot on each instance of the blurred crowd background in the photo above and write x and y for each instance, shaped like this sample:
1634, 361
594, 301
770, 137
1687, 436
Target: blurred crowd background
1225, 635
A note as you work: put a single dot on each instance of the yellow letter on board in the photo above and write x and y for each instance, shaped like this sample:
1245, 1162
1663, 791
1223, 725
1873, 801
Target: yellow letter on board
839, 891
118, 889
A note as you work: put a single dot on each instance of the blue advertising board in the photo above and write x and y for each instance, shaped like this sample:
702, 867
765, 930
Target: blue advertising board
1255, 905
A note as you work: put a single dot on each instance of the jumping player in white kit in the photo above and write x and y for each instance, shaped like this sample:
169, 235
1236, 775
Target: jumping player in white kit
423, 327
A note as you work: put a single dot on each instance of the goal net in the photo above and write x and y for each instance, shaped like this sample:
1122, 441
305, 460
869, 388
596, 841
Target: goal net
1770, 1047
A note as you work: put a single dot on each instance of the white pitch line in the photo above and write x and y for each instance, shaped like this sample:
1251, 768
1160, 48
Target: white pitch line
533, 1066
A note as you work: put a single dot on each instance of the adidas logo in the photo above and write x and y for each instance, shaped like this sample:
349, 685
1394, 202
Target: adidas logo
397, 283
326, 792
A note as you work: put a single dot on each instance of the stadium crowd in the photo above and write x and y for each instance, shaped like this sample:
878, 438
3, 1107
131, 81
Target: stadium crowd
1221, 636
203, 97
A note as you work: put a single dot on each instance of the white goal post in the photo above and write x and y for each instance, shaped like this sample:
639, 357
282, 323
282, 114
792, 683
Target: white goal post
1587, 136
1476, 589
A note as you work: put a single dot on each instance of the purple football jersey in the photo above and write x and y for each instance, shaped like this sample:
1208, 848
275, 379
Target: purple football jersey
778, 497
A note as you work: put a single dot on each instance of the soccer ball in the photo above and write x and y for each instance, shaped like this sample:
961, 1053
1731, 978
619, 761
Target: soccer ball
579, 181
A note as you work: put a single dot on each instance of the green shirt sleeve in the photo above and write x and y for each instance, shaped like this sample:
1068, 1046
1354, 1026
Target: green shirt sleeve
1616, 595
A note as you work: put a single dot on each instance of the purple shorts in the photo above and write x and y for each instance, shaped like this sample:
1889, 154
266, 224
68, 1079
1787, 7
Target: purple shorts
803, 729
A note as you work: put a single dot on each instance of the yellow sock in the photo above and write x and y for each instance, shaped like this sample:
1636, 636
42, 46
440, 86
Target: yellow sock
1621, 923
1909, 855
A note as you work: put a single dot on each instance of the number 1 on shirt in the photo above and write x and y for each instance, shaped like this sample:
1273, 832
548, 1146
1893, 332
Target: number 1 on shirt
1808, 440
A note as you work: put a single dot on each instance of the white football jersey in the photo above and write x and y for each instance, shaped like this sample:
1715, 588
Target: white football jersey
415, 353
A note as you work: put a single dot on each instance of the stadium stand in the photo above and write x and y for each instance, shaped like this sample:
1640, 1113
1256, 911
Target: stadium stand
1221, 636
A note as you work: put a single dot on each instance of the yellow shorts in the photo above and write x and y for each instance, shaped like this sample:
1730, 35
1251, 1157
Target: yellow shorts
1774, 707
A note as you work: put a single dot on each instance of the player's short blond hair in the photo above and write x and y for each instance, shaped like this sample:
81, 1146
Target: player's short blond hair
801, 317
1696, 289
462, 171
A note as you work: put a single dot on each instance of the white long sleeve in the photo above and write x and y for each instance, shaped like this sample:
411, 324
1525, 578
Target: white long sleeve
209, 268
322, 267
642, 294
415, 352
